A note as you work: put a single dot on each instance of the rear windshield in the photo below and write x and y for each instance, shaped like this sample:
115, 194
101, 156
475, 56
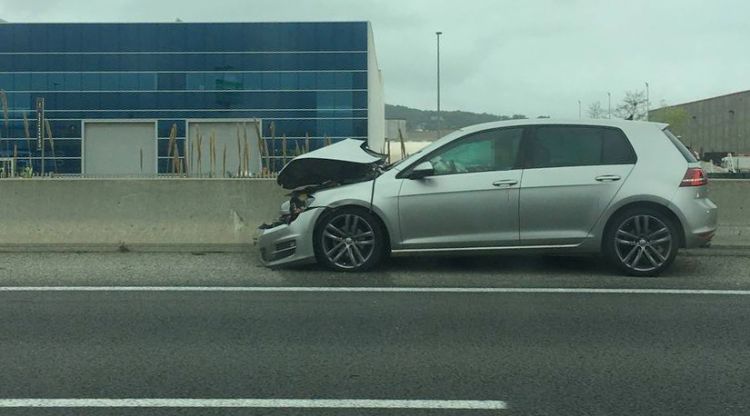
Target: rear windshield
686, 153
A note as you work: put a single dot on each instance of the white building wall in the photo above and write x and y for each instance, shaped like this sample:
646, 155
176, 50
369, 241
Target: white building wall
375, 100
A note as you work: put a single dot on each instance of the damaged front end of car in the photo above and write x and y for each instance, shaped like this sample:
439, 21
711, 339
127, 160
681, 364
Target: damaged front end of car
289, 239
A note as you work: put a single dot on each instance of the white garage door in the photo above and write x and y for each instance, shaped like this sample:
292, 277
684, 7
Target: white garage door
119, 148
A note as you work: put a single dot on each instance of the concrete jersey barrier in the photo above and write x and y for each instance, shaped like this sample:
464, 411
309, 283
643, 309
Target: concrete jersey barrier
197, 214
105, 214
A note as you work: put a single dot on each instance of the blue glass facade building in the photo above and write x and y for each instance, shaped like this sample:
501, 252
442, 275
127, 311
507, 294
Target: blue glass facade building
305, 79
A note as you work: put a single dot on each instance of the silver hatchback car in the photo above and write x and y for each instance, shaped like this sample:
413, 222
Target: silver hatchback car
624, 189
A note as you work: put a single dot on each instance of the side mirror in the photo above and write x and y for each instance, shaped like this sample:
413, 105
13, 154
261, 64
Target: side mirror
422, 170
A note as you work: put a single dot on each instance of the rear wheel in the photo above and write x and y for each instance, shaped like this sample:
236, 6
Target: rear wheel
349, 240
641, 242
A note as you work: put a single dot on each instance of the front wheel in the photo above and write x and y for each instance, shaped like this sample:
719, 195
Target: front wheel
349, 240
641, 242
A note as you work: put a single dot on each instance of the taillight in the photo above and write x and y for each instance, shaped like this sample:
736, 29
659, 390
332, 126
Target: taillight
694, 177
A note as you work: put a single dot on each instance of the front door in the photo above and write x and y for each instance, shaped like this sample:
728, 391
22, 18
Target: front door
472, 198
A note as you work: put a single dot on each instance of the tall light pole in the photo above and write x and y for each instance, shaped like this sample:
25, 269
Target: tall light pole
579, 109
437, 35
648, 103
609, 105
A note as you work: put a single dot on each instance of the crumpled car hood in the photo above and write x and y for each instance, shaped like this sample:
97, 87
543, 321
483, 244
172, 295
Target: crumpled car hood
342, 162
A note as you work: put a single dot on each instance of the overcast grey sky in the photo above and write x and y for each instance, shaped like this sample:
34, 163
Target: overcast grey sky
528, 57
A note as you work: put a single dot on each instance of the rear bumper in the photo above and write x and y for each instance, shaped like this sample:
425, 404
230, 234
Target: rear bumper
698, 214
289, 244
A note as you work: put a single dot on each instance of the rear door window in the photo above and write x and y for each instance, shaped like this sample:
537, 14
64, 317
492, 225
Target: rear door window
560, 146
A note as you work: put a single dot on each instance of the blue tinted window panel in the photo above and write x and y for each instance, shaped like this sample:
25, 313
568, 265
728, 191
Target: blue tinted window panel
6, 82
22, 82
163, 147
165, 127
66, 148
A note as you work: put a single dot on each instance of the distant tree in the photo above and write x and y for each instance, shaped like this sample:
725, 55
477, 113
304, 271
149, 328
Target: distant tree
542, 117
518, 117
676, 117
595, 110
633, 106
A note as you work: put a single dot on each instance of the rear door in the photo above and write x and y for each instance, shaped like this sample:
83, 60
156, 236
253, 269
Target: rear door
572, 174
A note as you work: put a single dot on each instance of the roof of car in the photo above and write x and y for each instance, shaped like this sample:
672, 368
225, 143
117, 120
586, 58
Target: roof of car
625, 124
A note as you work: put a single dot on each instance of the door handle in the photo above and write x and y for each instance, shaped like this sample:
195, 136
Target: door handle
608, 178
505, 182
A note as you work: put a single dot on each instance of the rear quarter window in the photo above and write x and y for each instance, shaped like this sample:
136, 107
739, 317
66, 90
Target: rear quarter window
686, 153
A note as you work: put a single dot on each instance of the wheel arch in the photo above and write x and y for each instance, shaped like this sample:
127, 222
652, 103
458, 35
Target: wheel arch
657, 206
358, 205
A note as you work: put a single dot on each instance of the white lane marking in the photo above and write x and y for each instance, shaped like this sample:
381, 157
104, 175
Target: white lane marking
264, 403
366, 289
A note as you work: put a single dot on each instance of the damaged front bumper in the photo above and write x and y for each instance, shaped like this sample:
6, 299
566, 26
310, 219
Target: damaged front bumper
287, 244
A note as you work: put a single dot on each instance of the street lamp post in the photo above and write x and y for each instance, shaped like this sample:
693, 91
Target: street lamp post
437, 35
609, 105
648, 103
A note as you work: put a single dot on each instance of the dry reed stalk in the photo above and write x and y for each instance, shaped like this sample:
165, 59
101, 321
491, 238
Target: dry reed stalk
199, 153
51, 145
6, 116
403, 146
192, 153
283, 149
185, 156
273, 146
224, 163
261, 145
246, 156
327, 140
213, 154
141, 154
239, 150
28, 136
297, 150
307, 142
170, 146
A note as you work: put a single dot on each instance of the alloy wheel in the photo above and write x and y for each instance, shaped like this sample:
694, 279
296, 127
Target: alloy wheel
643, 243
348, 241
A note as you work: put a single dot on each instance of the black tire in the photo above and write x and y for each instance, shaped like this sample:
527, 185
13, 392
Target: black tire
343, 247
635, 241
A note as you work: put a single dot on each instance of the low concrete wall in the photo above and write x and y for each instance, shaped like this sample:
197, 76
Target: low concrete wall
107, 214
733, 198
197, 214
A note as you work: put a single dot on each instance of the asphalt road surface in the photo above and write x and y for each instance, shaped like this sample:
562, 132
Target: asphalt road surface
520, 352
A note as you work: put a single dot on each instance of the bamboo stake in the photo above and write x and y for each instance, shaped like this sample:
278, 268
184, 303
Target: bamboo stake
297, 150
307, 142
141, 152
